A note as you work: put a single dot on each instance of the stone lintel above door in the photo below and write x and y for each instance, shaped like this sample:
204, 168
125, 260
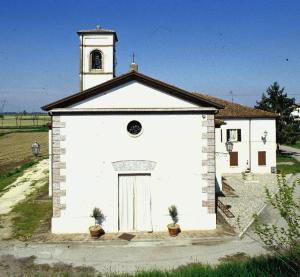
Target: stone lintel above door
134, 165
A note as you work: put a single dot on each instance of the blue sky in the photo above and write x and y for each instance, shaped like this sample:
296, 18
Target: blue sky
209, 46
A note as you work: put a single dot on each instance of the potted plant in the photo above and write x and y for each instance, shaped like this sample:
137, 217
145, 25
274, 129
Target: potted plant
96, 231
174, 228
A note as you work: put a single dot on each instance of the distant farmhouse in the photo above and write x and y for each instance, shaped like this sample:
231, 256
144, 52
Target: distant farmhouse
296, 112
133, 145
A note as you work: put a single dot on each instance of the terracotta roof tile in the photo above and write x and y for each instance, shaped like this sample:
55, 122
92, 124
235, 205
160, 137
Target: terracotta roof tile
234, 110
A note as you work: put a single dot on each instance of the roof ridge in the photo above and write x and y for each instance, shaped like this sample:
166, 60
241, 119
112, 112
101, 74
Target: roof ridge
132, 75
229, 102
97, 30
233, 109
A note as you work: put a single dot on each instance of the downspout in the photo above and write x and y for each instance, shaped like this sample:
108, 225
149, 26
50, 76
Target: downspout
250, 144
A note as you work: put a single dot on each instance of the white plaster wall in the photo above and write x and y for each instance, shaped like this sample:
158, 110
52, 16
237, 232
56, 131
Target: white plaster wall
91, 80
100, 39
93, 142
258, 128
251, 132
134, 95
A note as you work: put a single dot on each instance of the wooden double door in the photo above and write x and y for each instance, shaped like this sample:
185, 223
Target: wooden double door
134, 203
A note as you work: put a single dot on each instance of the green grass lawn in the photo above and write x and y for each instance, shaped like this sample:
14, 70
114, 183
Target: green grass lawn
21, 120
31, 212
9, 178
250, 267
287, 168
284, 158
15, 123
297, 145
10, 130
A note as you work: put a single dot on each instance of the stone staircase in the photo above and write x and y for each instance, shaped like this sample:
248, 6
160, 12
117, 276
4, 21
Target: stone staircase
227, 191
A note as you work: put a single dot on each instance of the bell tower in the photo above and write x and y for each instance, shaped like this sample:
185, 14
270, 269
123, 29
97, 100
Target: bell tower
97, 56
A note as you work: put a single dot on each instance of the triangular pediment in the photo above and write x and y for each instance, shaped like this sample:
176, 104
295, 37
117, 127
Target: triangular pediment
132, 90
133, 95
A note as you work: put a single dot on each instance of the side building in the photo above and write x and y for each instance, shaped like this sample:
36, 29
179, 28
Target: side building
253, 136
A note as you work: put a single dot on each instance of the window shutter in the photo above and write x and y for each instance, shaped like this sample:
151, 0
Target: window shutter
261, 157
234, 158
227, 134
239, 135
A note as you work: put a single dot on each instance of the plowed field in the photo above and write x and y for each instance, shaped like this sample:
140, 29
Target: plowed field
15, 149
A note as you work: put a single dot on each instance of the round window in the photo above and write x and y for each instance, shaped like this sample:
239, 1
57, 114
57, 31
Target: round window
134, 127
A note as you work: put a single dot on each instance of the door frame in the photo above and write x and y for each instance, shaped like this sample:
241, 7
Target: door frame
129, 174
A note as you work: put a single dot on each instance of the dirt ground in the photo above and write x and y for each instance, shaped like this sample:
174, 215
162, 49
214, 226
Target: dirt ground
48, 237
6, 226
12, 266
15, 149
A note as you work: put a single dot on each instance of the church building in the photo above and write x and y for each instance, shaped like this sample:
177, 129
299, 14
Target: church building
133, 145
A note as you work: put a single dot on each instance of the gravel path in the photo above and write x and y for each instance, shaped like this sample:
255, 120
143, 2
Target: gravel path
270, 215
32, 178
128, 257
251, 197
295, 152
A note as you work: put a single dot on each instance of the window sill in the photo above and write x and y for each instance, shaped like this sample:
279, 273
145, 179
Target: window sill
96, 70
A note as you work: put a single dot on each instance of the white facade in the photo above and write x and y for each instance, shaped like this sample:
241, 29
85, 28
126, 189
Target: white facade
99, 150
256, 135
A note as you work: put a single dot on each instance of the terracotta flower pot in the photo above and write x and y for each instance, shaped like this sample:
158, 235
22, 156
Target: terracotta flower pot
174, 229
96, 231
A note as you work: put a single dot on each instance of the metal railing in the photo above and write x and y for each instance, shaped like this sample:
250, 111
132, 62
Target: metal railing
224, 208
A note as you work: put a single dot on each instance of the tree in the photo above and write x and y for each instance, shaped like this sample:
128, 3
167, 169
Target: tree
285, 237
276, 101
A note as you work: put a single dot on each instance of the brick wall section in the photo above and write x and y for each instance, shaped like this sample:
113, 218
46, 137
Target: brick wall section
208, 163
58, 178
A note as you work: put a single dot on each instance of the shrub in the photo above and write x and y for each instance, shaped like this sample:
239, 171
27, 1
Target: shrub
98, 216
286, 237
173, 213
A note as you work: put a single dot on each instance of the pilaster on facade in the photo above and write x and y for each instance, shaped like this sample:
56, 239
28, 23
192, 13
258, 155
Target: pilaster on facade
58, 165
208, 163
